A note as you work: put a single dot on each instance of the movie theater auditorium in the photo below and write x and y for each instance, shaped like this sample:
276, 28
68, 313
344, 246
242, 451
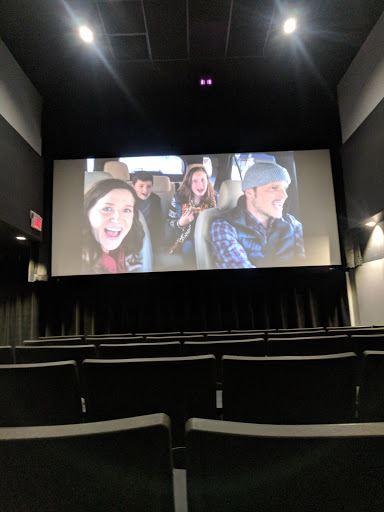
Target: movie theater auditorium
191, 388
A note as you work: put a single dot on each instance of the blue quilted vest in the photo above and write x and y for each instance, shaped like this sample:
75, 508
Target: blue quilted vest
277, 250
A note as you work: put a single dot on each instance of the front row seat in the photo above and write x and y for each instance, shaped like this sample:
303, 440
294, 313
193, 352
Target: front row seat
230, 191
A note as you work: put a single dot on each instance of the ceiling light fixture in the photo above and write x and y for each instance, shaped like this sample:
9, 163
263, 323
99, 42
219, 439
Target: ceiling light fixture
371, 224
86, 34
20, 238
289, 25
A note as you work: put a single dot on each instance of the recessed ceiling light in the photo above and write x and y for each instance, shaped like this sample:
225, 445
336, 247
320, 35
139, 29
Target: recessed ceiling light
86, 34
20, 238
371, 224
289, 25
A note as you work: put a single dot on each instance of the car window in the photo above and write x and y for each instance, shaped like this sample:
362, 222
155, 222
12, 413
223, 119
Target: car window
207, 165
168, 165
90, 164
242, 161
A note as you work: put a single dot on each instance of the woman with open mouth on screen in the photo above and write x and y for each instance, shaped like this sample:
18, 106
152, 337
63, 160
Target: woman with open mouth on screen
195, 194
113, 234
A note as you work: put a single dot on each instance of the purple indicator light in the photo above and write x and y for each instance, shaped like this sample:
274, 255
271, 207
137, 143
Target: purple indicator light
202, 82
209, 81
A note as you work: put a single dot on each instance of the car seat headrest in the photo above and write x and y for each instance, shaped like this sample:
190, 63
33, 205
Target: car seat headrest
230, 191
161, 184
118, 170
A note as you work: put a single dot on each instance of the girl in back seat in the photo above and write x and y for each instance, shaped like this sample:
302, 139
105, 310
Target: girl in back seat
195, 194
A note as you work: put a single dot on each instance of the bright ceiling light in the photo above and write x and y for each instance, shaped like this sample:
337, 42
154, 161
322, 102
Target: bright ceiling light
289, 25
371, 224
86, 34
20, 238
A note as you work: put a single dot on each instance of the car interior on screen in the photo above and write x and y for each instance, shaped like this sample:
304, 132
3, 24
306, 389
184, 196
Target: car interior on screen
193, 212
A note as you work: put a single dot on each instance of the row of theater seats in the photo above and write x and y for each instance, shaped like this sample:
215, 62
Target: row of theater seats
280, 390
126, 465
173, 346
305, 331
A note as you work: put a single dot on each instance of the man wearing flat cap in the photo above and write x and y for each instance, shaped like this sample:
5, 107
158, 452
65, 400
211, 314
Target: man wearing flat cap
256, 233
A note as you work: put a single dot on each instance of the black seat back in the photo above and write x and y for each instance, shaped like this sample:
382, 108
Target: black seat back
39, 394
245, 347
179, 337
6, 355
296, 334
371, 393
114, 340
117, 465
362, 343
49, 353
181, 387
76, 340
313, 345
159, 334
312, 468
138, 350
235, 336
290, 390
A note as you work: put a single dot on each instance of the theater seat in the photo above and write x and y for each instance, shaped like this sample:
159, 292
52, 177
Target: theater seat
39, 394
230, 191
6, 355
290, 390
371, 395
182, 387
284, 468
46, 342
117, 170
121, 465
138, 350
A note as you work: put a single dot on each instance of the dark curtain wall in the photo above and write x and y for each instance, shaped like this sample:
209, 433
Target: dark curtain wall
18, 299
265, 298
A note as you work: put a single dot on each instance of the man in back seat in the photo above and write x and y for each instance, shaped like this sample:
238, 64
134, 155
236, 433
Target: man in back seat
256, 233
150, 206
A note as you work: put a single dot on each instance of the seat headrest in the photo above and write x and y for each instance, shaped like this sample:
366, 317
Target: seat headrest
161, 184
230, 191
118, 170
90, 178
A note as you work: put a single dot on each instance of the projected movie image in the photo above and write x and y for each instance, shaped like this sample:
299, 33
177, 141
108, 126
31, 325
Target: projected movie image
197, 212
119, 214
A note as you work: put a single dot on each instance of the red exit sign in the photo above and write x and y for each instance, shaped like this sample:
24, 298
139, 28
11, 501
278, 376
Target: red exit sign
36, 221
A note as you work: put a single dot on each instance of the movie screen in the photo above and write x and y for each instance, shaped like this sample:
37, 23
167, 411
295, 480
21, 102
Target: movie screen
193, 212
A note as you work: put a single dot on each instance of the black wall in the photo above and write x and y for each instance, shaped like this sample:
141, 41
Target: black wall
174, 121
21, 181
264, 116
363, 164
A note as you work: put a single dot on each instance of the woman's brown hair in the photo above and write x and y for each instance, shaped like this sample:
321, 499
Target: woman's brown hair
185, 191
132, 243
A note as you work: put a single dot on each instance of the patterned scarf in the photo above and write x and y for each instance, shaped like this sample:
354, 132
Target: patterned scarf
187, 229
114, 262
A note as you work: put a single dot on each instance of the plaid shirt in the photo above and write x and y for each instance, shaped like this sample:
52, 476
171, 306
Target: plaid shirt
228, 251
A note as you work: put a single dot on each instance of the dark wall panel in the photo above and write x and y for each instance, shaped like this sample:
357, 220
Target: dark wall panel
21, 180
363, 167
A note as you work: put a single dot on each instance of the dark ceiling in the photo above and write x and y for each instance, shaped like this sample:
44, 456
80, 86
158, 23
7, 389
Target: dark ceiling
149, 55
136, 90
